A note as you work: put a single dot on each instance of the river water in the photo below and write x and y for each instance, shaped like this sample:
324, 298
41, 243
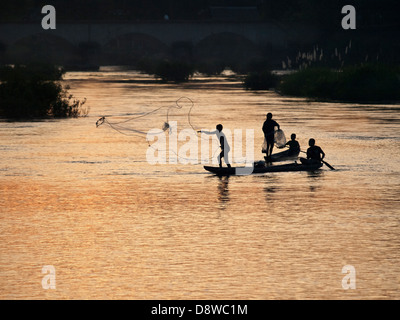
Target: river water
85, 200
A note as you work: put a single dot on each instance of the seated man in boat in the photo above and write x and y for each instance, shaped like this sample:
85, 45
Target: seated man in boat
294, 146
269, 132
314, 154
225, 148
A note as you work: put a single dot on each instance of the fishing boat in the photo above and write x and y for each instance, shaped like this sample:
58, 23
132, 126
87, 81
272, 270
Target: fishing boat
225, 171
284, 156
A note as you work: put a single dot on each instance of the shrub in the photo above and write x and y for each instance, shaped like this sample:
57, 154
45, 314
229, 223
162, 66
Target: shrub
34, 91
173, 71
211, 67
263, 80
166, 70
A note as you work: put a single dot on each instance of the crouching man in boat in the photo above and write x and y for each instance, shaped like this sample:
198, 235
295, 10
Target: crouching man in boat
314, 154
294, 146
225, 148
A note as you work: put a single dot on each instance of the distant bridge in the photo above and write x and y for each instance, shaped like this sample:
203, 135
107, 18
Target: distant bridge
119, 40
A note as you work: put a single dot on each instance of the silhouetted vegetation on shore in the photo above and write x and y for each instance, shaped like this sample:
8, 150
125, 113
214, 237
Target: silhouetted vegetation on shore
167, 70
359, 83
35, 92
263, 80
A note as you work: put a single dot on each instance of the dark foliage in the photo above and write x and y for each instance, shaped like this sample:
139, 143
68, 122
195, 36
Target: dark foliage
263, 80
167, 70
34, 91
362, 83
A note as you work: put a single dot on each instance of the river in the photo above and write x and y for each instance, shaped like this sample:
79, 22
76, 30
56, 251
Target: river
86, 201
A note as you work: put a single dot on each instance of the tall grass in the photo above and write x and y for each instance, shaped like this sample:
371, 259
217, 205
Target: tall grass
361, 83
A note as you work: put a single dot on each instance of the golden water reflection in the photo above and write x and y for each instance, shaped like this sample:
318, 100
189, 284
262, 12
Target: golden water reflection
84, 200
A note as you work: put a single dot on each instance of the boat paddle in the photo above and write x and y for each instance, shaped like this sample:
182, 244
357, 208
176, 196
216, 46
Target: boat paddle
328, 165
324, 162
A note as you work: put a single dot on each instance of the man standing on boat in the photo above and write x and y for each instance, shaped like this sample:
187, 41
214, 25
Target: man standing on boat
269, 134
225, 148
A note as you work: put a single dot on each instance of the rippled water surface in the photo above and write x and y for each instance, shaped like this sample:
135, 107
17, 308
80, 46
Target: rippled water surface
86, 201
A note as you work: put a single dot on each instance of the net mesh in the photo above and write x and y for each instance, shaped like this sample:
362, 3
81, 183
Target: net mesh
279, 139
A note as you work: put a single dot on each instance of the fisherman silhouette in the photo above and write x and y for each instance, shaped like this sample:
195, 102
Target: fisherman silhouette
225, 148
294, 146
269, 132
314, 153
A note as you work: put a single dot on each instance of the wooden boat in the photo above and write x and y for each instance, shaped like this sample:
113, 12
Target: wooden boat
225, 171
284, 156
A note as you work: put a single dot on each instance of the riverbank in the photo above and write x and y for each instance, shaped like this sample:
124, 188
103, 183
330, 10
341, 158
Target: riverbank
35, 91
362, 83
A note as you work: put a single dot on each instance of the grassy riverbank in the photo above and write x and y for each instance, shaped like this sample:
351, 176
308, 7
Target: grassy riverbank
362, 83
358, 83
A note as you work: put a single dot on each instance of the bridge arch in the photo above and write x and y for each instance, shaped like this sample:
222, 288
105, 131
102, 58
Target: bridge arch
41, 47
130, 48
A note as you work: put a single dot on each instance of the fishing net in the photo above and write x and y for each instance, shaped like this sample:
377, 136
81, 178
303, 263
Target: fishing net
132, 126
177, 116
166, 118
279, 139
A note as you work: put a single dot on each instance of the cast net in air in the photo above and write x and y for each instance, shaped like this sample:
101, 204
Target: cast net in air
169, 118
